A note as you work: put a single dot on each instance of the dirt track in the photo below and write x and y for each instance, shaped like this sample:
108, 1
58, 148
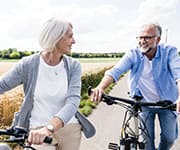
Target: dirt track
108, 120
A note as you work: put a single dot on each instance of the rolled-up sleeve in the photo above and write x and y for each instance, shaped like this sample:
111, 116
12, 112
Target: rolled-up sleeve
174, 61
121, 67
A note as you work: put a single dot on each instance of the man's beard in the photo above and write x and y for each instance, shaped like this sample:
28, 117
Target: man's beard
147, 48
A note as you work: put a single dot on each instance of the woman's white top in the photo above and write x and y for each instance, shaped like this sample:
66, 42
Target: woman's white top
50, 91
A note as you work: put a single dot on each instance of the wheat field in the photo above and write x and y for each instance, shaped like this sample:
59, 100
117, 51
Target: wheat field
11, 100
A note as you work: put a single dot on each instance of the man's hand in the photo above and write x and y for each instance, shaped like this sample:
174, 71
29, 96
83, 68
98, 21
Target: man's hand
96, 94
178, 105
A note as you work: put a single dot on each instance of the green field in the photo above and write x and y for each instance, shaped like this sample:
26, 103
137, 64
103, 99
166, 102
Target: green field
82, 60
8, 60
98, 60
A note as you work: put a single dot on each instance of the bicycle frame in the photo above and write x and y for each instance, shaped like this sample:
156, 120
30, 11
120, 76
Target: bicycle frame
133, 127
135, 137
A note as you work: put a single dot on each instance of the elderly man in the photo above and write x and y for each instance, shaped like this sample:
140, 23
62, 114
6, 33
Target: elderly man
155, 76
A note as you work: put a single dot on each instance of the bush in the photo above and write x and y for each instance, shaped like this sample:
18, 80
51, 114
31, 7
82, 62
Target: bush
87, 102
14, 55
86, 110
91, 79
84, 96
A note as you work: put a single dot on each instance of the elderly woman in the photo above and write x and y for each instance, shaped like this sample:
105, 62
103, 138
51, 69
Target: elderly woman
52, 85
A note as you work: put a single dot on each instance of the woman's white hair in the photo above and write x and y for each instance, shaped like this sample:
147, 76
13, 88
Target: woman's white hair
52, 31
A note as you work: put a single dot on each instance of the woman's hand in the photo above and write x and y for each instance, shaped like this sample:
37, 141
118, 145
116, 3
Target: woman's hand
37, 136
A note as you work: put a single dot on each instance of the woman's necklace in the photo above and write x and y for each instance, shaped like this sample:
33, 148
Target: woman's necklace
52, 62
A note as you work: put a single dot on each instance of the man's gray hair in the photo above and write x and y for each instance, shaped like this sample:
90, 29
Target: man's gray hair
52, 31
156, 26
158, 29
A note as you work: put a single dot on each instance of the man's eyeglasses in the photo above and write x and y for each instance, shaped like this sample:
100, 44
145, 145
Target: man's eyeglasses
145, 37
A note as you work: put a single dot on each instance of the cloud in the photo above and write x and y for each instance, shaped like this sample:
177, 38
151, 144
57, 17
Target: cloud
153, 10
98, 25
162, 12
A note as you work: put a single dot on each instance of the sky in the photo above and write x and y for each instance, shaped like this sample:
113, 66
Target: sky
98, 25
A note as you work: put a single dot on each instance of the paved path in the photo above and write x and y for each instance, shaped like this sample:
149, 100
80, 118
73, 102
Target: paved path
108, 120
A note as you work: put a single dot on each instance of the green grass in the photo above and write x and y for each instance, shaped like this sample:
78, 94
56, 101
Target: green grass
98, 60
82, 60
9, 60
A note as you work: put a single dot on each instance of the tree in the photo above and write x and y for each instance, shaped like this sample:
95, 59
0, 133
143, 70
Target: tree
14, 55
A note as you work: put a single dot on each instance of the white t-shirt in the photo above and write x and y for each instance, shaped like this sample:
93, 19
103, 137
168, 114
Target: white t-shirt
146, 83
50, 91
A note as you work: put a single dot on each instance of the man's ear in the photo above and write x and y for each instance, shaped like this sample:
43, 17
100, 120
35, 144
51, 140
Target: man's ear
158, 39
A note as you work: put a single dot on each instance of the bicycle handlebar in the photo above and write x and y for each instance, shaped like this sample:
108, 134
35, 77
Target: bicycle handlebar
165, 104
133, 131
19, 136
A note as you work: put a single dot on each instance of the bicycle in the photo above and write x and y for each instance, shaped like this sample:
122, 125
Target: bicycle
133, 131
19, 136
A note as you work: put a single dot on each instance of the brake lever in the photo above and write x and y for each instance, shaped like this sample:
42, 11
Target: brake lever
172, 107
15, 140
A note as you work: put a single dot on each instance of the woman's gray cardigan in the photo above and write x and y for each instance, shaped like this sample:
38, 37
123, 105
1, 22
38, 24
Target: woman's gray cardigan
25, 72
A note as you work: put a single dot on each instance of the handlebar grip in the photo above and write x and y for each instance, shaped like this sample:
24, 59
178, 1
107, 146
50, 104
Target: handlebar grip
172, 107
89, 90
48, 140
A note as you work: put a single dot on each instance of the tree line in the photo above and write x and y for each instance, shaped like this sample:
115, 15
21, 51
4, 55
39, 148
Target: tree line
13, 53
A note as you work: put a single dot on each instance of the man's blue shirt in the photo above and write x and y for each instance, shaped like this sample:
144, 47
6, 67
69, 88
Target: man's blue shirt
165, 70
